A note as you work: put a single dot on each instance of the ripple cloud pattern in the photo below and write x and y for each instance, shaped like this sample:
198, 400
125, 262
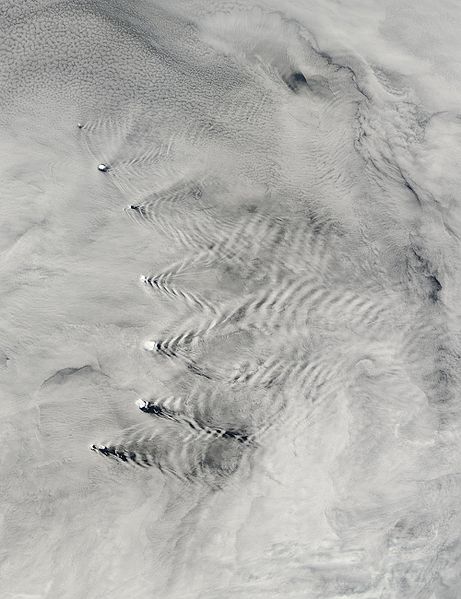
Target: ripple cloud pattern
229, 299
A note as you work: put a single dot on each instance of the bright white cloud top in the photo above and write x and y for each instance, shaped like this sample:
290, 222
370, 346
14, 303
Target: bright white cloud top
229, 299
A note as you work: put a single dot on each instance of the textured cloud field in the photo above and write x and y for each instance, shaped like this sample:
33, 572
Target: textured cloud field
229, 357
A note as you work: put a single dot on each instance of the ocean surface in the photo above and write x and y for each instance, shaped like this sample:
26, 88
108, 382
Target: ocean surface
230, 299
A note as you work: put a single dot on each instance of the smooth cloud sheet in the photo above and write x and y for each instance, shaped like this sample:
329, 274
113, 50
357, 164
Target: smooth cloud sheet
229, 300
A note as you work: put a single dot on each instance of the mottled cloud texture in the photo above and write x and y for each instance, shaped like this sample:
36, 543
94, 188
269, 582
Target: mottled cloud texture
229, 299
